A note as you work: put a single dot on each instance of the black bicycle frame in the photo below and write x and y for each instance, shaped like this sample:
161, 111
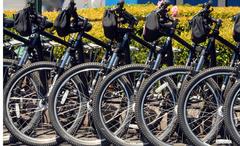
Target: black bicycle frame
33, 42
71, 50
234, 58
157, 62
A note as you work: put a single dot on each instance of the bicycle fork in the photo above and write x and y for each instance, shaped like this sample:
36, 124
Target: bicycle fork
64, 62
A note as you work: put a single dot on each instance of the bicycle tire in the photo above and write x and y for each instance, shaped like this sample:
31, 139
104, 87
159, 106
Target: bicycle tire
52, 102
115, 137
184, 96
7, 63
7, 137
37, 116
228, 113
140, 99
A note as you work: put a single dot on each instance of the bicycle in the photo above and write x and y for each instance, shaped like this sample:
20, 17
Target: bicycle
203, 127
114, 98
65, 87
43, 72
156, 90
13, 61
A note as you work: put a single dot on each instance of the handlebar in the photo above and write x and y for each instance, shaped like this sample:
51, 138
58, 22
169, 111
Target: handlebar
208, 4
120, 7
218, 23
170, 25
206, 9
132, 20
41, 21
121, 11
37, 19
163, 10
205, 12
163, 7
78, 20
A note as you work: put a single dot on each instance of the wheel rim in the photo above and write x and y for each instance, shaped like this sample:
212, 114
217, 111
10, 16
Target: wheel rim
84, 108
235, 113
125, 131
34, 127
213, 110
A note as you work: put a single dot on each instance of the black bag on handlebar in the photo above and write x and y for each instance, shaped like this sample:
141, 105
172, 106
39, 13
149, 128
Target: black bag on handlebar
200, 29
22, 22
109, 23
236, 29
151, 30
62, 23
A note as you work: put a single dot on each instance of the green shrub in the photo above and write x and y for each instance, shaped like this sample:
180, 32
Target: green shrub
185, 14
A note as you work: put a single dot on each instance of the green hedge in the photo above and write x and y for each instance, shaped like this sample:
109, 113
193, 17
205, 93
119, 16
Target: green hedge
185, 14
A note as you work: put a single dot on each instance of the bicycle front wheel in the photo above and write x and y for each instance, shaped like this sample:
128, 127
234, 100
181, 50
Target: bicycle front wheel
70, 105
200, 106
25, 108
156, 105
113, 104
232, 113
9, 68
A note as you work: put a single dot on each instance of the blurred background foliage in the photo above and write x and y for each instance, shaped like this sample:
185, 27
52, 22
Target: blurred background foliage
185, 14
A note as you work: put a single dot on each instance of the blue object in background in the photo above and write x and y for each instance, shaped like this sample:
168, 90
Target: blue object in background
114, 2
173, 2
233, 2
196, 2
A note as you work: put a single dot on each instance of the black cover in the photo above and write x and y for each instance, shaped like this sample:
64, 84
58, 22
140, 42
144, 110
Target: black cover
200, 29
151, 30
22, 22
62, 23
109, 23
236, 29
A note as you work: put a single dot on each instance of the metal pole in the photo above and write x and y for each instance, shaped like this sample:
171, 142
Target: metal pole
222, 3
38, 6
179, 2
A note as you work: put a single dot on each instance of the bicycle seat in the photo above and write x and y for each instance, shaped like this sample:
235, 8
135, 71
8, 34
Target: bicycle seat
8, 23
